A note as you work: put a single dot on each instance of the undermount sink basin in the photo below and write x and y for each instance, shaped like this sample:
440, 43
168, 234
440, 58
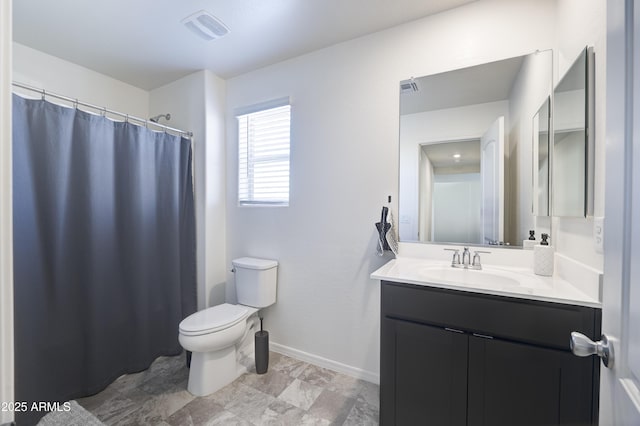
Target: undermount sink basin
484, 278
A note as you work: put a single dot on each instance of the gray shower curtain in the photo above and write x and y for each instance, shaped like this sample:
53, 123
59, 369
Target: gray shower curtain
104, 249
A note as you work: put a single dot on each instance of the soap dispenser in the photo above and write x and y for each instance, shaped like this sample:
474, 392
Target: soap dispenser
543, 257
528, 244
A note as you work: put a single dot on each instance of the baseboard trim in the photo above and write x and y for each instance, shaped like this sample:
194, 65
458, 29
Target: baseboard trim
339, 367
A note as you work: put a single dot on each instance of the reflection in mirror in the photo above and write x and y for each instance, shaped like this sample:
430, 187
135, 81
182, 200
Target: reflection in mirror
466, 152
450, 189
572, 146
541, 159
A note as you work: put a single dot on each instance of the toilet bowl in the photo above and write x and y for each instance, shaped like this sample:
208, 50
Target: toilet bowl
215, 335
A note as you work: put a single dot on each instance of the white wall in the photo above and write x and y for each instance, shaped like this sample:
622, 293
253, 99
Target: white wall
581, 23
196, 103
531, 88
48, 72
6, 214
457, 203
216, 252
569, 110
450, 124
425, 188
344, 163
568, 174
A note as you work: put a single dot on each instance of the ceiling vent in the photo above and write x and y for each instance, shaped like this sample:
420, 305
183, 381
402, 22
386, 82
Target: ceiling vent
205, 25
408, 86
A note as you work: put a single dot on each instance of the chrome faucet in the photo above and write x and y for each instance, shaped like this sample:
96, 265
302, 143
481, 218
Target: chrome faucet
476, 261
466, 258
466, 263
475, 264
455, 260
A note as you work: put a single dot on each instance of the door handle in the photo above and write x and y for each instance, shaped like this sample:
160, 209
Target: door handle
581, 345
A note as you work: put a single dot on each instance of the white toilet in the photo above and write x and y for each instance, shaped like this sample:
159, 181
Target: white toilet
215, 335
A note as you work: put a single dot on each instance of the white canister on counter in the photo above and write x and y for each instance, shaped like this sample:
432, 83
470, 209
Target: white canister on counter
543, 257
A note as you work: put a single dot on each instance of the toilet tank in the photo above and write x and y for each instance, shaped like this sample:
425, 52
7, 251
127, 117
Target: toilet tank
256, 281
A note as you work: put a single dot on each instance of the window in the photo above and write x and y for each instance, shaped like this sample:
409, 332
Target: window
263, 158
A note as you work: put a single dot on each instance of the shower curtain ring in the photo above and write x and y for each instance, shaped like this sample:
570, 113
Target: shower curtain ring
126, 118
43, 94
104, 111
75, 103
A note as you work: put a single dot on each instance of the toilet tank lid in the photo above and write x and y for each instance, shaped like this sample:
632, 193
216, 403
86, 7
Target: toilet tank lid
254, 263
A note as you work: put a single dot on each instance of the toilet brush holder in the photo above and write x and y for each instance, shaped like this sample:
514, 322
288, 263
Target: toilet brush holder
262, 350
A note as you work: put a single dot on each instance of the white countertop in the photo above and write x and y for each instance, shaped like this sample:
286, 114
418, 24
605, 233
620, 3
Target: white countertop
533, 287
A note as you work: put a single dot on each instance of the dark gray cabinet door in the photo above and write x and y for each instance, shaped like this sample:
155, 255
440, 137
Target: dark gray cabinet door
427, 372
514, 384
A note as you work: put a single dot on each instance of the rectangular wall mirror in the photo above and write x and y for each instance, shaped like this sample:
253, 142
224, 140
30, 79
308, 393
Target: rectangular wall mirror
573, 144
466, 154
542, 159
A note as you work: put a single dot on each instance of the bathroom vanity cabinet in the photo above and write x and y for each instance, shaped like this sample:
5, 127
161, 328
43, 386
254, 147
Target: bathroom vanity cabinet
452, 357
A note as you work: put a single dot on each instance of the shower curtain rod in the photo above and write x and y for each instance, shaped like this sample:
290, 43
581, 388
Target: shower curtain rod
102, 110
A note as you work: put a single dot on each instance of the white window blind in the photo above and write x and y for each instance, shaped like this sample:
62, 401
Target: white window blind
263, 143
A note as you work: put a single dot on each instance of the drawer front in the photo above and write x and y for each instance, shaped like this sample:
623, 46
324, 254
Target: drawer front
541, 323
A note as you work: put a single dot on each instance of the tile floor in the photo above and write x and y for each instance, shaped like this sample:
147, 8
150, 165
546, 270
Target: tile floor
292, 392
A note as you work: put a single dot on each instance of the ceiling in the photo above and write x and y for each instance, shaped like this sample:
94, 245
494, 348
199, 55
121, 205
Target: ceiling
442, 160
468, 86
143, 43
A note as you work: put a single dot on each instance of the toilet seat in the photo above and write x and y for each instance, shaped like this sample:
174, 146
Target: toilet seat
214, 319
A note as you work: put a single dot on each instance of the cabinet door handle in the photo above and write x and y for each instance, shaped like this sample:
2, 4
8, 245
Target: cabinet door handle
454, 330
483, 336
